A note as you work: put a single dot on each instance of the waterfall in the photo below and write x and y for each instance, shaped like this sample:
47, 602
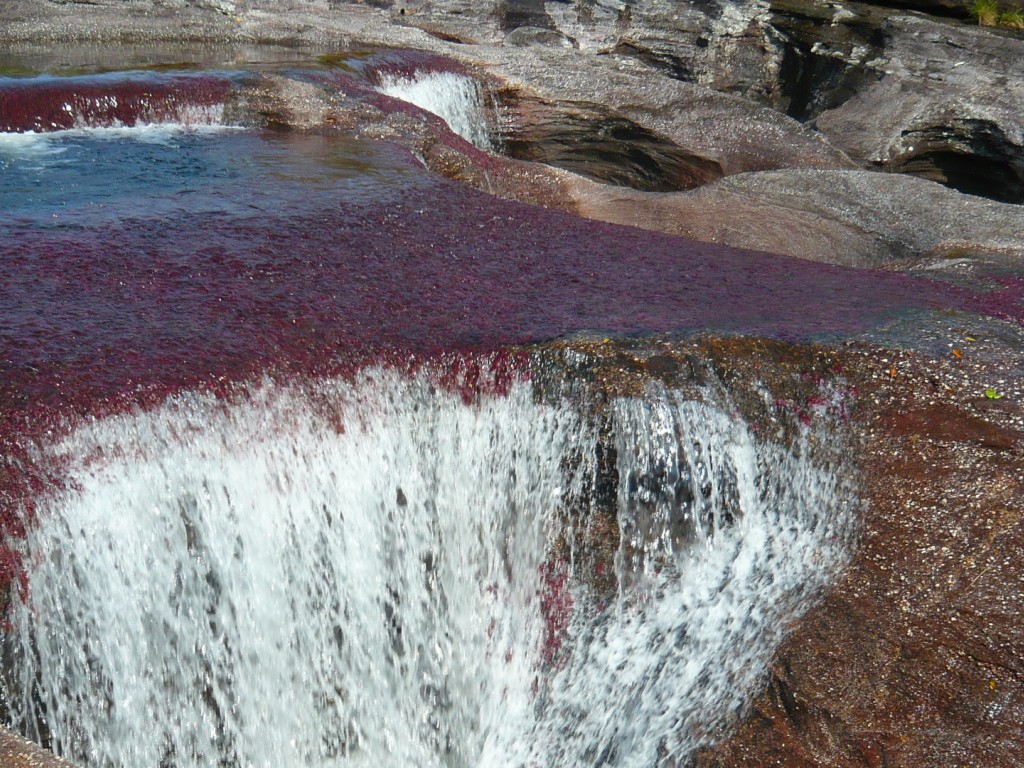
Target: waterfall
370, 571
117, 100
456, 99
724, 540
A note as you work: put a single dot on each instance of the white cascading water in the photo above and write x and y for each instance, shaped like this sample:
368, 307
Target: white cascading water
352, 573
456, 99
724, 541
39, 145
175, 114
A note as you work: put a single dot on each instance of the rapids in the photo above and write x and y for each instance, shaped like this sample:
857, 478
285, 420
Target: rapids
47, 103
364, 572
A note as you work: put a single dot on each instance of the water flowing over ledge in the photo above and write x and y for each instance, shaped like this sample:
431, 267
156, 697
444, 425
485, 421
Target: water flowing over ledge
456, 99
94, 304
367, 572
43, 104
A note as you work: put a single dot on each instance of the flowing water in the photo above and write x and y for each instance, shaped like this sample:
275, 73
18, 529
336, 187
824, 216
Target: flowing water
456, 99
245, 537
360, 573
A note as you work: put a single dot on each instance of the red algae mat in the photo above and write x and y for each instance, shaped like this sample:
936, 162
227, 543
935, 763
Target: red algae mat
50, 104
135, 265
140, 256
93, 307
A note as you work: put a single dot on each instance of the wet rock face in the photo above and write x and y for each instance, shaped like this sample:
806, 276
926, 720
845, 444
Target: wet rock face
555, 91
897, 92
903, 93
913, 657
824, 52
973, 155
596, 142
58, 107
911, 661
945, 109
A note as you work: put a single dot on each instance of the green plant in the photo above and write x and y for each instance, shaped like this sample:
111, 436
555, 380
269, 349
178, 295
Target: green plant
1014, 19
986, 12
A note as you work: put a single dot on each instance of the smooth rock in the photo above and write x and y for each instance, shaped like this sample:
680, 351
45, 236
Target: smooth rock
947, 108
560, 87
855, 218
526, 36
913, 659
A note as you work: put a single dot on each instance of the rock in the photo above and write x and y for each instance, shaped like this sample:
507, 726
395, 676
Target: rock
912, 659
789, 54
824, 52
856, 218
723, 129
596, 142
907, 94
729, 214
999, 405
566, 92
16, 752
466, 21
513, 14
947, 423
525, 36
955, 9
947, 109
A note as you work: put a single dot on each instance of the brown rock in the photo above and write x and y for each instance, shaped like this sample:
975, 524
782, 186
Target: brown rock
16, 752
945, 422
912, 659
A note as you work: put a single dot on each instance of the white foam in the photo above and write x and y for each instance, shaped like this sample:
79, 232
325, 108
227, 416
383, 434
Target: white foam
187, 118
28, 145
146, 133
349, 574
33, 144
180, 117
46, 147
712, 585
456, 99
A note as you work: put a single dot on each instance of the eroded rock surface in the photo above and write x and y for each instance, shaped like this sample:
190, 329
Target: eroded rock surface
906, 93
554, 87
857, 218
946, 108
912, 659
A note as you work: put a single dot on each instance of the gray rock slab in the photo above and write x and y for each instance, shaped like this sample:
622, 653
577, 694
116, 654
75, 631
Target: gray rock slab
855, 218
